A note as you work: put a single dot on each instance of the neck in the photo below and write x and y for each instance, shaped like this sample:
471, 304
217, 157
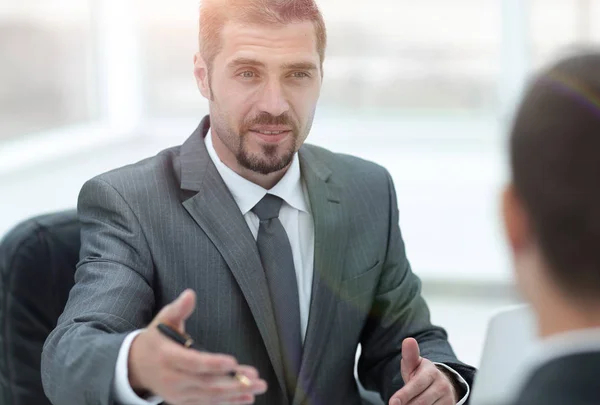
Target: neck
562, 317
266, 181
557, 310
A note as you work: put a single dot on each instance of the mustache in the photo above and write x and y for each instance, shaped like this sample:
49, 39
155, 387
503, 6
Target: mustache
265, 118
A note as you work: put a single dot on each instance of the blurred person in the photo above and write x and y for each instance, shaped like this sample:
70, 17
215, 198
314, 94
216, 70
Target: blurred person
288, 255
552, 217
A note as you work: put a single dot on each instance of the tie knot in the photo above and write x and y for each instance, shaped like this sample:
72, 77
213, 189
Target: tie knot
268, 208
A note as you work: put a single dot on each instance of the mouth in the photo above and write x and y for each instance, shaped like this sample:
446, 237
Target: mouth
271, 135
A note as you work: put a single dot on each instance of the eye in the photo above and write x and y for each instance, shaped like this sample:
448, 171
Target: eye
247, 74
300, 75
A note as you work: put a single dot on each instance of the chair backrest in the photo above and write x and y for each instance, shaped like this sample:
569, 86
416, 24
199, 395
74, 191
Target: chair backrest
511, 335
37, 266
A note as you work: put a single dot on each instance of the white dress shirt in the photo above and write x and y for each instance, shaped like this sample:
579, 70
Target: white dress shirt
564, 344
296, 218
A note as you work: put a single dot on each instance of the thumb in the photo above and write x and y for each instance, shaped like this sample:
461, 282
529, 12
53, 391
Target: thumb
177, 312
411, 358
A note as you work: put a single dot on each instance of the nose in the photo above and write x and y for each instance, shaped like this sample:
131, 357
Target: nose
272, 99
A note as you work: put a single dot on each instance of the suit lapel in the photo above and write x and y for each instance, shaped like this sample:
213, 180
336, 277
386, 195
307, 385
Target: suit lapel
215, 211
330, 220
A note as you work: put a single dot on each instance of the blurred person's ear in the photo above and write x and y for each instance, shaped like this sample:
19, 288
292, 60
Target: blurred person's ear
528, 263
201, 74
516, 224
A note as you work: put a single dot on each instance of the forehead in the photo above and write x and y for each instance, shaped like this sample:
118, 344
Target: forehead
292, 42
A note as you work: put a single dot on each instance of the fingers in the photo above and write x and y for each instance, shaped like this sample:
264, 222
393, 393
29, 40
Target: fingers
217, 389
200, 396
244, 399
209, 371
221, 386
181, 388
411, 358
195, 362
419, 383
226, 386
248, 371
237, 400
178, 311
437, 394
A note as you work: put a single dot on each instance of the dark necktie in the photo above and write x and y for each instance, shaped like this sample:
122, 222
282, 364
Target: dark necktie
278, 263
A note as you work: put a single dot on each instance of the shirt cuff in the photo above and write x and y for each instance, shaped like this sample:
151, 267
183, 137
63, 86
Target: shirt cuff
121, 388
459, 379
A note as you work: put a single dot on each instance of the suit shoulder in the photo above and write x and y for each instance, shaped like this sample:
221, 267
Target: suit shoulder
350, 166
142, 174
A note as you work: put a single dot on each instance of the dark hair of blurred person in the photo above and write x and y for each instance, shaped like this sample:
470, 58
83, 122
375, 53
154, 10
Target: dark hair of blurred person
552, 217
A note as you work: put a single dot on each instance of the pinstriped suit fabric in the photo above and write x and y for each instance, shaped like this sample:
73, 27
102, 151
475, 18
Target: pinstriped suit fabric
154, 228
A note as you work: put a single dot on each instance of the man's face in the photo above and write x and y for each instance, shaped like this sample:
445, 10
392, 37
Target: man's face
263, 89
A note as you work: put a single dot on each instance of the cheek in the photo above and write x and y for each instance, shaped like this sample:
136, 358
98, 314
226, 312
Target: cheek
239, 102
309, 102
228, 90
233, 111
302, 107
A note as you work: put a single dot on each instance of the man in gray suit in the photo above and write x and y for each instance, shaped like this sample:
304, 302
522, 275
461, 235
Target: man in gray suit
289, 255
552, 217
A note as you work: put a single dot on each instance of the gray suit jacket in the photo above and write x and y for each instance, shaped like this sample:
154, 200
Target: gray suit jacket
154, 228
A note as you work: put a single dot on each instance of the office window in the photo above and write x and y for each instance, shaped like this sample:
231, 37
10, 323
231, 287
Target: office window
45, 65
403, 56
560, 25
168, 42
396, 59
384, 56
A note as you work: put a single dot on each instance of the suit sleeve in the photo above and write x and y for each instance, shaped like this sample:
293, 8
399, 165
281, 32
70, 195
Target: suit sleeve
112, 296
398, 312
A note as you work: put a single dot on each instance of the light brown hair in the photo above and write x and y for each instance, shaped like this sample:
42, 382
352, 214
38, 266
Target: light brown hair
214, 14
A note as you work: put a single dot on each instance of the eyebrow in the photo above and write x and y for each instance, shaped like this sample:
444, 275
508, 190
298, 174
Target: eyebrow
288, 66
245, 62
300, 66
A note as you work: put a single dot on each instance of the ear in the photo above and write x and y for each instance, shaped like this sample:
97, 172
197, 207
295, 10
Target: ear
202, 77
516, 223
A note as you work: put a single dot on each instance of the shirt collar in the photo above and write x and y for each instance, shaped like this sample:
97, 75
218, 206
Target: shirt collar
564, 344
247, 194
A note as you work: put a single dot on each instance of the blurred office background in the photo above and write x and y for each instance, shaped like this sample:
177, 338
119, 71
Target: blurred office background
425, 88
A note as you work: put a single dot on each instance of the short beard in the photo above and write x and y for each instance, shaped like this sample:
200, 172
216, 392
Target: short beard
265, 166
269, 162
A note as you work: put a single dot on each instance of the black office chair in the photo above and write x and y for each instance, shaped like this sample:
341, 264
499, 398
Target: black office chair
37, 267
